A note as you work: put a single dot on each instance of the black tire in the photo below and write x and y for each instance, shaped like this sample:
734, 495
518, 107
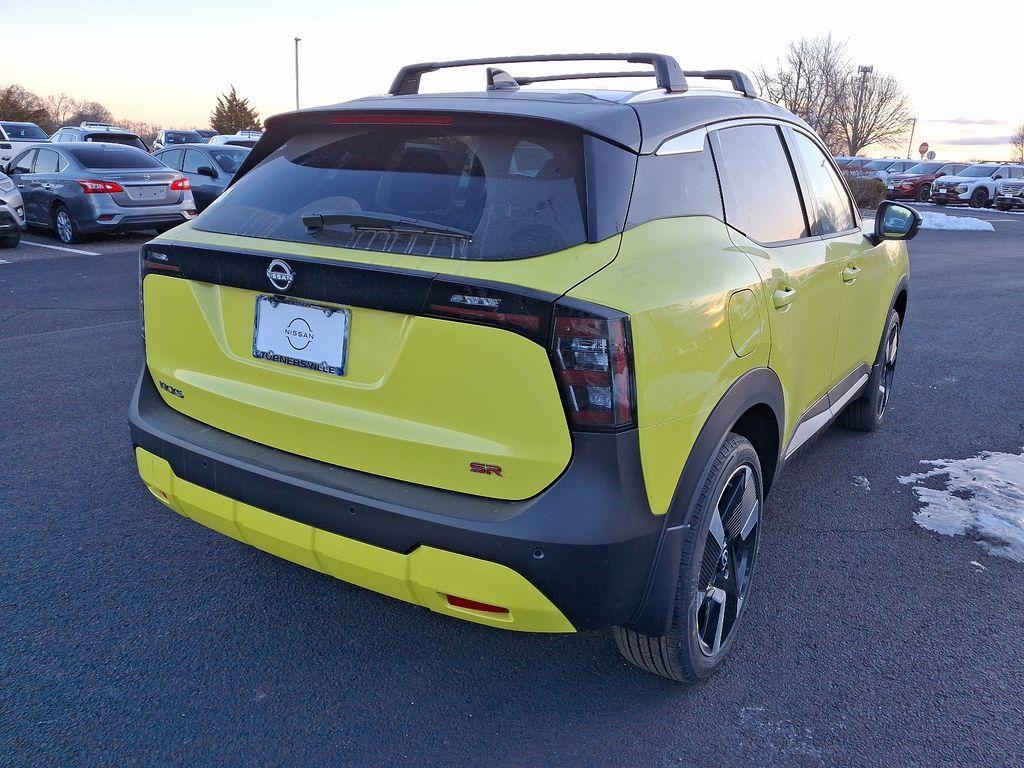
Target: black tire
979, 198
1002, 207
731, 498
10, 241
940, 202
924, 193
66, 230
866, 412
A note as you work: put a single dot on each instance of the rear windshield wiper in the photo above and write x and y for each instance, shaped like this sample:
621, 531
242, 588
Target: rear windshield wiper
372, 220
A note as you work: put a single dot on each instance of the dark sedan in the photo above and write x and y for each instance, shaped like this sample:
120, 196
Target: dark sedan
208, 167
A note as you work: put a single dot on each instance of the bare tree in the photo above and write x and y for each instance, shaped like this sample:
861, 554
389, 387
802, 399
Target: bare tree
145, 131
17, 103
91, 111
810, 81
1017, 142
60, 106
874, 110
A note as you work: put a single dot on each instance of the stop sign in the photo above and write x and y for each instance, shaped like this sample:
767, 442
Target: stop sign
923, 148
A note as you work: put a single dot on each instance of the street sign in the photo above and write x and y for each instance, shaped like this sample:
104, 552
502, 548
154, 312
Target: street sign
931, 155
923, 148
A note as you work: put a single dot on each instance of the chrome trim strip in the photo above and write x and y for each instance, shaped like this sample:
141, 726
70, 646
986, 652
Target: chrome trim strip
685, 143
816, 419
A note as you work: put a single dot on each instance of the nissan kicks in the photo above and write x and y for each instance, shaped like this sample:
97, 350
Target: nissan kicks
529, 358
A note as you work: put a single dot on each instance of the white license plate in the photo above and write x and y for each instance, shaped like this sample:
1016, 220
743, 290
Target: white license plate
304, 335
147, 192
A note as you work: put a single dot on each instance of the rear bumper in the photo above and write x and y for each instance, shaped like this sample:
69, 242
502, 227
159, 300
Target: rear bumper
104, 215
1008, 202
576, 556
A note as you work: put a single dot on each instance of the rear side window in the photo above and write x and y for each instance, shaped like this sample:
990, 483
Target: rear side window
758, 186
505, 190
47, 161
229, 158
113, 157
828, 206
684, 184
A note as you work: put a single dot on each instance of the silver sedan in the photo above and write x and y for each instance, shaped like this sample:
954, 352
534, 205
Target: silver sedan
81, 189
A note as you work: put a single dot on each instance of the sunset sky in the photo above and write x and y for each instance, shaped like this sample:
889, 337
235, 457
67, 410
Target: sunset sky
166, 62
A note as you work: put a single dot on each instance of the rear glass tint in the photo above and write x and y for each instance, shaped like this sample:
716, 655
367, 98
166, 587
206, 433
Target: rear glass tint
112, 157
117, 138
182, 137
517, 189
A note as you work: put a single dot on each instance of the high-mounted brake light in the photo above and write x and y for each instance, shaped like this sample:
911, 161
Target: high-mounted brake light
593, 360
180, 185
392, 119
97, 187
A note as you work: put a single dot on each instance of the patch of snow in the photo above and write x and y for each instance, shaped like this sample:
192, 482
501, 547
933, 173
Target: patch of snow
862, 482
934, 220
978, 565
983, 498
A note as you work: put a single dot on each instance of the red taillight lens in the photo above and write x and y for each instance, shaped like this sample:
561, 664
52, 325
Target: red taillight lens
592, 357
181, 184
97, 187
473, 605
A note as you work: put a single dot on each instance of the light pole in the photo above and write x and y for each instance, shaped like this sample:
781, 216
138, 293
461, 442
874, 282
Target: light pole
297, 72
913, 127
858, 113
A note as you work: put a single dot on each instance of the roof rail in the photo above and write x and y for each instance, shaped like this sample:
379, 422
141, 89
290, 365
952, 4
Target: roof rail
667, 72
740, 80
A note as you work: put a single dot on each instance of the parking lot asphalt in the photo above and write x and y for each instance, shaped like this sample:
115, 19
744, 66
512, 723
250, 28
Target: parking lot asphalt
132, 637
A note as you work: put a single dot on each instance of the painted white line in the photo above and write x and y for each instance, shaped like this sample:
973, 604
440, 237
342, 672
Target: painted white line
4, 261
59, 248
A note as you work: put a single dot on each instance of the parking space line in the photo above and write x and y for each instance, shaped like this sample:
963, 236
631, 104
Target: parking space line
59, 248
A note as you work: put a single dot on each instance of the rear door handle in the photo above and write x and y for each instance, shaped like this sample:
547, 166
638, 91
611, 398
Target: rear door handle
783, 297
851, 273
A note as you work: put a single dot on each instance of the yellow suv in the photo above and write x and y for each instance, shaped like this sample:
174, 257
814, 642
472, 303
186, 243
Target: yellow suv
526, 357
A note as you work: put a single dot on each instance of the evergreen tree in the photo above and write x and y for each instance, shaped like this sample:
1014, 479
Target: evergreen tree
234, 114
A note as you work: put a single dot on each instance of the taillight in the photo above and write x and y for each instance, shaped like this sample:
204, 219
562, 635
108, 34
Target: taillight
97, 187
592, 356
180, 185
525, 313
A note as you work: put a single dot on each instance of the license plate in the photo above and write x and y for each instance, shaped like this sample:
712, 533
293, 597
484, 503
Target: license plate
304, 335
147, 192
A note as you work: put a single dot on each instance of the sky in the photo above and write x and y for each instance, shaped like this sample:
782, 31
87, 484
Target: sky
166, 63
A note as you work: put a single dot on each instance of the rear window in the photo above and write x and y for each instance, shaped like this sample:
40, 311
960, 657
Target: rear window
508, 190
112, 157
23, 131
127, 139
182, 137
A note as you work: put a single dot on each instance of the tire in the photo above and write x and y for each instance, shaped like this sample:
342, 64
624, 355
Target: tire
924, 193
1003, 207
979, 198
64, 225
711, 577
10, 241
866, 412
940, 202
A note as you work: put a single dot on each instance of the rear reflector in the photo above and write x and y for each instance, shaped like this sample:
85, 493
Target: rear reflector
473, 605
392, 119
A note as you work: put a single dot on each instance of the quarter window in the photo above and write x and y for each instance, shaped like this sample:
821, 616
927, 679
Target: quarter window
761, 198
47, 161
683, 184
828, 205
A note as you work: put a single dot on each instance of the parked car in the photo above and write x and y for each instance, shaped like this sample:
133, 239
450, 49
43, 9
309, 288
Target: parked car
881, 169
1010, 195
240, 139
975, 185
206, 134
915, 183
14, 136
168, 138
856, 162
78, 189
208, 167
12, 213
483, 352
104, 132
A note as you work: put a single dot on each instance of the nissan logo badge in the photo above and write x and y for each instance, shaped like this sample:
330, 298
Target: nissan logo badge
280, 275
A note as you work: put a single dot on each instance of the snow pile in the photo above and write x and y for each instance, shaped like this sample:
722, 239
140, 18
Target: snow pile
983, 498
933, 220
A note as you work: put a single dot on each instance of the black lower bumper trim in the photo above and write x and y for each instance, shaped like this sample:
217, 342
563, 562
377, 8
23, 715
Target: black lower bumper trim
587, 542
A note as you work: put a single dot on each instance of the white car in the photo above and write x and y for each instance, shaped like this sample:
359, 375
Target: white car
975, 185
240, 139
884, 168
15, 136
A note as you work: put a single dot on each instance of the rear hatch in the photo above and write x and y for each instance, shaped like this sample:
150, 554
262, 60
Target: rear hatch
386, 296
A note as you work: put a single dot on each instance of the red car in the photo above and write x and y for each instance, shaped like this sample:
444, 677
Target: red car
915, 183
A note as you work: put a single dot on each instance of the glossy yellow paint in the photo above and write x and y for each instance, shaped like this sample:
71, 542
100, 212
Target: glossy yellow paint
675, 277
744, 322
424, 577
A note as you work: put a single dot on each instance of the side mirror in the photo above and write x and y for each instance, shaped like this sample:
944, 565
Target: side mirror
5, 145
205, 170
895, 222
998, 176
940, 173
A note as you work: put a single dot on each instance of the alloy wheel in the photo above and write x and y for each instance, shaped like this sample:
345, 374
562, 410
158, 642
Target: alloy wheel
65, 229
892, 347
728, 559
